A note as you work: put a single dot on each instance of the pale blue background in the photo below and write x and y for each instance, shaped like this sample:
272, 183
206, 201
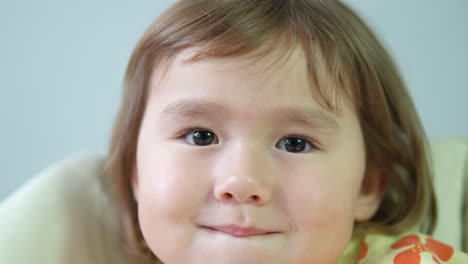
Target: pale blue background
61, 67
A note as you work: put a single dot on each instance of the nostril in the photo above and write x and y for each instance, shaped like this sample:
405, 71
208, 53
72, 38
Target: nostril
227, 195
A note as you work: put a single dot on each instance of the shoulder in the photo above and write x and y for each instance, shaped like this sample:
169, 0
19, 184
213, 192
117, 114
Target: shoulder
65, 212
411, 248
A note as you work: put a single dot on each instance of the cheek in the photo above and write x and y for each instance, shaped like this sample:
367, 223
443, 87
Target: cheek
324, 198
171, 186
321, 208
316, 204
171, 192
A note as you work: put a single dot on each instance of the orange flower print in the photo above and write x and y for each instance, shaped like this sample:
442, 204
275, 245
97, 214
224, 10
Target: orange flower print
438, 250
364, 250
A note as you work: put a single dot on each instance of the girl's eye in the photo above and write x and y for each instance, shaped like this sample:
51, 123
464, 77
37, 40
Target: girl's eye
295, 144
200, 137
203, 137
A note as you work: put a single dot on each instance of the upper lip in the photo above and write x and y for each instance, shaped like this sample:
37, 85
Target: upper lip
240, 231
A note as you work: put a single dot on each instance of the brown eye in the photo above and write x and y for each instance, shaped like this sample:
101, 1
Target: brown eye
295, 144
201, 137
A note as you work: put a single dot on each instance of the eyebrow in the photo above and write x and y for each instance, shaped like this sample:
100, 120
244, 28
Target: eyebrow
196, 109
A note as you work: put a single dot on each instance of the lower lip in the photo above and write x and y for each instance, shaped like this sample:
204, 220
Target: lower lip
214, 230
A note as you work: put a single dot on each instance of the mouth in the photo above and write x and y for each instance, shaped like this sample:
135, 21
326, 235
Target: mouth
238, 231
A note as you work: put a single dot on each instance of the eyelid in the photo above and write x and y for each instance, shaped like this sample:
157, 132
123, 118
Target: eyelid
314, 143
184, 132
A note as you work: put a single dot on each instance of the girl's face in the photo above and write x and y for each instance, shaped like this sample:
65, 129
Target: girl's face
226, 143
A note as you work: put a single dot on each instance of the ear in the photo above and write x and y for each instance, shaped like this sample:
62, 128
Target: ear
372, 189
135, 184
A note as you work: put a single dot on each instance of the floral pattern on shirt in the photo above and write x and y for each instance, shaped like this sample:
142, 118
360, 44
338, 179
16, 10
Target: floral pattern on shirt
411, 248
438, 250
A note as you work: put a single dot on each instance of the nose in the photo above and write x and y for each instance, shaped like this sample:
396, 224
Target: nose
244, 175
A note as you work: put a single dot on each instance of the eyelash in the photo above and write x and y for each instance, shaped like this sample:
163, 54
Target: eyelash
184, 133
314, 145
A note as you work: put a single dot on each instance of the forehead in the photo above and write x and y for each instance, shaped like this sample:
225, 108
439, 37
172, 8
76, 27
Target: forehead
278, 82
274, 72
277, 63
263, 62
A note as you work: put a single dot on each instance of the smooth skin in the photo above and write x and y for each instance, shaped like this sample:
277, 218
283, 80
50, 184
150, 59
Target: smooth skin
228, 141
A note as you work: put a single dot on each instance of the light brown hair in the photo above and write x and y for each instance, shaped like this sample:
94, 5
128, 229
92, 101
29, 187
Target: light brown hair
345, 59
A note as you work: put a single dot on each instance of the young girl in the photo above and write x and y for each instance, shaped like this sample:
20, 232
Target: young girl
269, 131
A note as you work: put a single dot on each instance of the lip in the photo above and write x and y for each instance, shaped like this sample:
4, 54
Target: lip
239, 231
